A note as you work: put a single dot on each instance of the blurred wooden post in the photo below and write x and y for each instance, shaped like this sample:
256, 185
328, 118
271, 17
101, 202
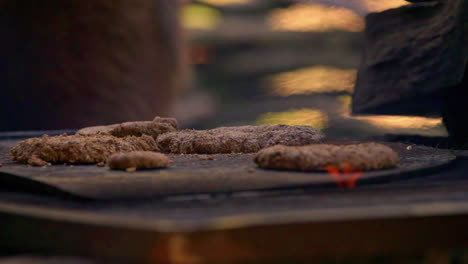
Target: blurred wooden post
74, 63
414, 64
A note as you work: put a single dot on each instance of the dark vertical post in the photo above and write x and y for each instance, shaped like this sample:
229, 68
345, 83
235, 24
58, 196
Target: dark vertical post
74, 63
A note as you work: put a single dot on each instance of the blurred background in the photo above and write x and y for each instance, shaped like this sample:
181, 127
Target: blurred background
288, 62
70, 64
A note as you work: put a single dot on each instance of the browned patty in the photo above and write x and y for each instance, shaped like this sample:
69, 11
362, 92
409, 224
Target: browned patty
243, 139
77, 149
359, 157
138, 128
138, 160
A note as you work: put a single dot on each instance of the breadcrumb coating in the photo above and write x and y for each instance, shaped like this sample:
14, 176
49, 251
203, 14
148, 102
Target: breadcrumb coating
359, 157
77, 149
243, 139
138, 160
138, 128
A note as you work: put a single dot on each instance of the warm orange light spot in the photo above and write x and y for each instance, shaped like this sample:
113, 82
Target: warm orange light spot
381, 5
317, 79
225, 2
402, 124
315, 17
295, 117
345, 176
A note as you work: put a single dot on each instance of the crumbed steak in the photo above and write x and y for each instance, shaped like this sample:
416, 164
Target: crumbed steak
243, 139
358, 157
77, 149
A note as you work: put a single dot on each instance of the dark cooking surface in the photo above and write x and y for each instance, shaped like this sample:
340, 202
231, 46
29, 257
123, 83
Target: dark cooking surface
194, 174
394, 217
435, 199
447, 182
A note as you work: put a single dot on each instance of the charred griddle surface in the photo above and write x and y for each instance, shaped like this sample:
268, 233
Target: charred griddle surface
198, 174
392, 218
425, 208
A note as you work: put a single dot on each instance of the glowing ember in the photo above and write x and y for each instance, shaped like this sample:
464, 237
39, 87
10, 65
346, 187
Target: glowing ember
345, 176
315, 17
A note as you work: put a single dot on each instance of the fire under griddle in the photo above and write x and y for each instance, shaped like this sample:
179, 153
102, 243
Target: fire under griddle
248, 214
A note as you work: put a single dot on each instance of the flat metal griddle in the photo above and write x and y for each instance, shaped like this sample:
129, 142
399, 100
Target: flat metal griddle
366, 221
192, 174
420, 205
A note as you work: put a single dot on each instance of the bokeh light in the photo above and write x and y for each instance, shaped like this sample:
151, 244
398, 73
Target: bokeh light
317, 79
295, 117
200, 17
381, 5
314, 17
390, 122
225, 2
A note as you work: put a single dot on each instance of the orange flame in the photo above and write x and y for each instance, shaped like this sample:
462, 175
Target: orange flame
347, 176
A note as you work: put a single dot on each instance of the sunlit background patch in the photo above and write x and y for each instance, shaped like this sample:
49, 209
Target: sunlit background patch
315, 79
401, 124
306, 117
225, 2
381, 5
315, 17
